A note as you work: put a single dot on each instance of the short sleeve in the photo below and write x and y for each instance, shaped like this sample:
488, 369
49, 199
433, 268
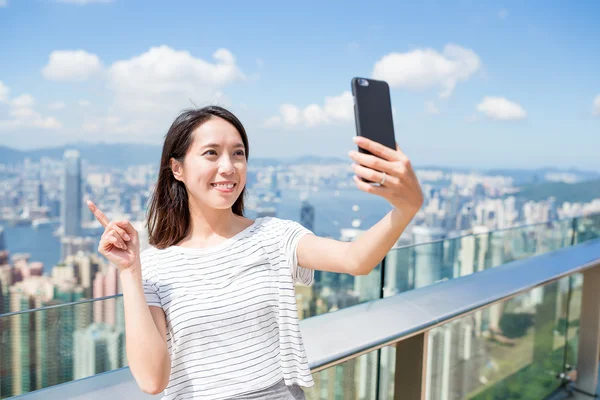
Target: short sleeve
149, 279
291, 235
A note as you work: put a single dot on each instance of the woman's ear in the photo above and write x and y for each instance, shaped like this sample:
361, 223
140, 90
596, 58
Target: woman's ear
177, 169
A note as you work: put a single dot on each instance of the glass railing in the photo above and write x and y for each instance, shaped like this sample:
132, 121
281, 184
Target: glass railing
60, 343
420, 265
414, 267
515, 349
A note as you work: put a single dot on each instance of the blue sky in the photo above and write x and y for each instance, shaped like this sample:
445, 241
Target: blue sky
477, 84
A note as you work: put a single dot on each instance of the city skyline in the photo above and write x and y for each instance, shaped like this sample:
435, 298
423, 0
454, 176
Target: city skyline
477, 85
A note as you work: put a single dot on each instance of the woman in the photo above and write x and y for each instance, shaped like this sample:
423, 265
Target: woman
210, 311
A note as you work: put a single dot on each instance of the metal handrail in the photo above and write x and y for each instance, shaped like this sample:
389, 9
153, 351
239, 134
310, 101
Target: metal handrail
369, 326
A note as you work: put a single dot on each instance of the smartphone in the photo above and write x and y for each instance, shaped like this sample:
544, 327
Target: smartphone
373, 112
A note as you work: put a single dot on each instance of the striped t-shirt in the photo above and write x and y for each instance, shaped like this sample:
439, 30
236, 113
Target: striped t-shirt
232, 320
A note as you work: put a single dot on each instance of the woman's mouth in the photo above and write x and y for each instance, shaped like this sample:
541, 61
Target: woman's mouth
225, 187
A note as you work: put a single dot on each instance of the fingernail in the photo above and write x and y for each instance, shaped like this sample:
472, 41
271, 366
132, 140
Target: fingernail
127, 237
355, 139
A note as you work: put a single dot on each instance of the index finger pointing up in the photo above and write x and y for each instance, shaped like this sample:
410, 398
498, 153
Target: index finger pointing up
98, 214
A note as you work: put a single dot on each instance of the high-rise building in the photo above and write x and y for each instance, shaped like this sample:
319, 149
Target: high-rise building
71, 202
73, 245
307, 215
2, 240
97, 348
428, 255
40, 195
85, 266
106, 283
27, 344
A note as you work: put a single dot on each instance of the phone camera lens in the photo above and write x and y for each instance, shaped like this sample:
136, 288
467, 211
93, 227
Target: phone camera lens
363, 82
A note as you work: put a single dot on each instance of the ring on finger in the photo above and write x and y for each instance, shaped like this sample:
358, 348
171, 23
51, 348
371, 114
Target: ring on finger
383, 179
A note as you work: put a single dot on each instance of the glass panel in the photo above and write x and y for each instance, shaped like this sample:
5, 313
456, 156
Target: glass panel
56, 345
353, 379
413, 267
572, 319
511, 350
332, 291
588, 228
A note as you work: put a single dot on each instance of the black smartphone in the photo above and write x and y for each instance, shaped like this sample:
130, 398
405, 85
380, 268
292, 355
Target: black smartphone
373, 112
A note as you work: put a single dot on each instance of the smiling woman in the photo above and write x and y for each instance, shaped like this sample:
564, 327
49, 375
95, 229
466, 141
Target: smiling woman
210, 308
203, 148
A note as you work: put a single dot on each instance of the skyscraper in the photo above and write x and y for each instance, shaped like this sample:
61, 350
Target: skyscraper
71, 202
97, 348
428, 255
307, 215
2, 242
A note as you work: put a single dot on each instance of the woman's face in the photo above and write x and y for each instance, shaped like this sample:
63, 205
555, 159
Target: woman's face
214, 168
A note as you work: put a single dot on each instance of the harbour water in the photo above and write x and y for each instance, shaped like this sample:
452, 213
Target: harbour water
334, 210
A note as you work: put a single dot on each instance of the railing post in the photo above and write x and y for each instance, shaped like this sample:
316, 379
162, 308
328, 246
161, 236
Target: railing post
411, 368
589, 332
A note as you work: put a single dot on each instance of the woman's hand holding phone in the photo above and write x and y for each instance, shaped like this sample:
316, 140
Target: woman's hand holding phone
120, 242
392, 169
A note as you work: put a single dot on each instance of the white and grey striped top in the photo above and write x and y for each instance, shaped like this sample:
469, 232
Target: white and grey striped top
232, 319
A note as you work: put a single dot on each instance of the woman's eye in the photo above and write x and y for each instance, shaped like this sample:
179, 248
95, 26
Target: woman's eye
210, 153
239, 153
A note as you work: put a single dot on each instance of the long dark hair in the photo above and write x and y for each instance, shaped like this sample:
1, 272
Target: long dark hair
169, 214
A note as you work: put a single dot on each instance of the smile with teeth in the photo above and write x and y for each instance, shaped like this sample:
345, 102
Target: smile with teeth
223, 185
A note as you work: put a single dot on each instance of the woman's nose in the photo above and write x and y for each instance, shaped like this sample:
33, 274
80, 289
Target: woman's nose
226, 166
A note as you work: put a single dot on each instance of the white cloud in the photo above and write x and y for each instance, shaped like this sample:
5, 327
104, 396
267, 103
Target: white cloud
424, 68
84, 2
24, 116
334, 110
3, 3
24, 100
4, 91
148, 89
84, 103
72, 65
431, 108
500, 108
164, 78
57, 105
503, 14
596, 106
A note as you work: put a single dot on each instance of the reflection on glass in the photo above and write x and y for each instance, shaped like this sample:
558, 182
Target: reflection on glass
421, 265
571, 321
332, 291
353, 379
56, 345
587, 228
511, 350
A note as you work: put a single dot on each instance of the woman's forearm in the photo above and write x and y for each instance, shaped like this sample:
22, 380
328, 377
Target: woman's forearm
371, 246
147, 351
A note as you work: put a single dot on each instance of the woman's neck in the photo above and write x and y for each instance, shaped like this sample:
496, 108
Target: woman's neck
208, 226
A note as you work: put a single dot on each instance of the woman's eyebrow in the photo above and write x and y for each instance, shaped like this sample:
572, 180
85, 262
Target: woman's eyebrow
216, 145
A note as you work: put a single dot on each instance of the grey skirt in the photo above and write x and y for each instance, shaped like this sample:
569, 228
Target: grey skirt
279, 391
